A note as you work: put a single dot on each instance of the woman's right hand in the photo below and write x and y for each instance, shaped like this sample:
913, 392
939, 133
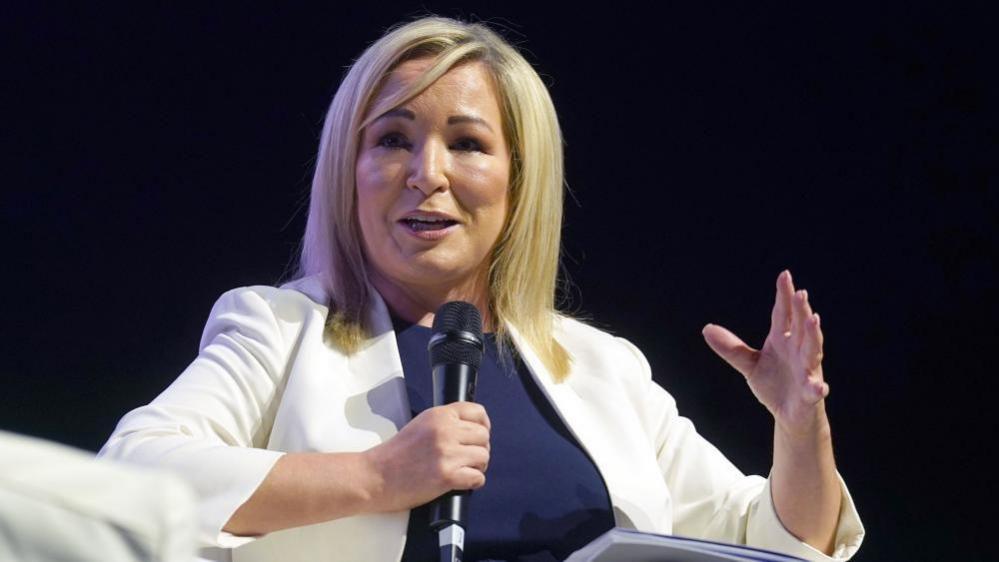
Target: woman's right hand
442, 449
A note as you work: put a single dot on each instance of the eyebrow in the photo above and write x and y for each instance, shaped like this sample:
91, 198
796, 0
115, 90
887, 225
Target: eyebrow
452, 120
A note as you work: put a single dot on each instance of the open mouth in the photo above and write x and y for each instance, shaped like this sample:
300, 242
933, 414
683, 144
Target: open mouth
425, 224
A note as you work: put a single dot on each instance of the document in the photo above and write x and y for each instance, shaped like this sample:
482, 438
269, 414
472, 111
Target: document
624, 545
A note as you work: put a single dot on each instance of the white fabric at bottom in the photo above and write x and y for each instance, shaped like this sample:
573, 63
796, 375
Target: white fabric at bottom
58, 503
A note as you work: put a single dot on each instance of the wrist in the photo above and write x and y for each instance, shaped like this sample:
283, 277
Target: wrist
372, 488
349, 486
813, 427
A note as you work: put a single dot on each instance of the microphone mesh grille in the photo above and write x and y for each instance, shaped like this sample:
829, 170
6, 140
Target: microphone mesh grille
457, 316
450, 351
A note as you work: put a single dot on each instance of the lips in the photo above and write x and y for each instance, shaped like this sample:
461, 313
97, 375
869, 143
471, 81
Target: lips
425, 224
428, 225
423, 221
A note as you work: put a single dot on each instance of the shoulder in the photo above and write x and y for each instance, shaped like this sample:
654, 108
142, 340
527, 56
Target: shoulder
605, 362
591, 346
577, 331
268, 311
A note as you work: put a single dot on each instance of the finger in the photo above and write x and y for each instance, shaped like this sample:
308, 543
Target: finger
729, 347
473, 434
780, 317
806, 315
808, 305
470, 411
812, 345
817, 390
467, 478
476, 458
798, 317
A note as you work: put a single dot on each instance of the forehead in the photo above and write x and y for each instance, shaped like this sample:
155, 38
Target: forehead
465, 86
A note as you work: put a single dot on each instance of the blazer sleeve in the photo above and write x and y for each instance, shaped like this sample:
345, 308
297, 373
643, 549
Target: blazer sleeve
714, 500
211, 424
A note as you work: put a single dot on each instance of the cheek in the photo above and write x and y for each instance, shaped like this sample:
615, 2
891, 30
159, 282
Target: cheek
487, 186
378, 179
373, 201
495, 197
367, 176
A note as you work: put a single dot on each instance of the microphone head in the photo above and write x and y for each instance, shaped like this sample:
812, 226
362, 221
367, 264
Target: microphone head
457, 335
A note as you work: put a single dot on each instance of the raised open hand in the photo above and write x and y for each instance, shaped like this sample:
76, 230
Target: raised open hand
786, 374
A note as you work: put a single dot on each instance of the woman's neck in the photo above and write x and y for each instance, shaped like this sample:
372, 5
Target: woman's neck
417, 304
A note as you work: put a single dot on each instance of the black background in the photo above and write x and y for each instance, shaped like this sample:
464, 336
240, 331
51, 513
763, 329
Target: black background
156, 158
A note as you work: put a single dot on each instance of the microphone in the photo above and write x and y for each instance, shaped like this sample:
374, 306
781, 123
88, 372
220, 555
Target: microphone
455, 355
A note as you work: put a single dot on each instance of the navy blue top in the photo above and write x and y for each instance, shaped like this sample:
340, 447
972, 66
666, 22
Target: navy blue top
543, 498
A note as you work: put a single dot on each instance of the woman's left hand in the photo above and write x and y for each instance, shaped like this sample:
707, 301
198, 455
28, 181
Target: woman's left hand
786, 374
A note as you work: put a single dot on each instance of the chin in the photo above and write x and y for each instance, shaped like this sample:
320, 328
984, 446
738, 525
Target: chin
436, 273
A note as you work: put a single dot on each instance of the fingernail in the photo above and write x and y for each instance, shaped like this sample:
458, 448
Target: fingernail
818, 321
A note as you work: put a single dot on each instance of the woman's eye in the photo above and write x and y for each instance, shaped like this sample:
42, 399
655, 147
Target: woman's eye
393, 140
468, 145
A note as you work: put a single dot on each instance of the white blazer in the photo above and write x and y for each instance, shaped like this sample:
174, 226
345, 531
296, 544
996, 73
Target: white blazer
265, 383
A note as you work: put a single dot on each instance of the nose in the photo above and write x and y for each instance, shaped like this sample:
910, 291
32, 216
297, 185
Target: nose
428, 169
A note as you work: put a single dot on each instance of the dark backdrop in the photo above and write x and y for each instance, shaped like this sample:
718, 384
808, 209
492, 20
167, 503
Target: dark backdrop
155, 158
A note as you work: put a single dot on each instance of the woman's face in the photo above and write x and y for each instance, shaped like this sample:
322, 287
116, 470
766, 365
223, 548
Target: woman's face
432, 181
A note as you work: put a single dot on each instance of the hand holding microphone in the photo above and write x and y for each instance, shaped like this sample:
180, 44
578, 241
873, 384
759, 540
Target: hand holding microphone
446, 447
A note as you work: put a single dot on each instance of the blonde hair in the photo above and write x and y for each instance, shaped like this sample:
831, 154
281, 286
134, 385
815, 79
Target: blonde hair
524, 268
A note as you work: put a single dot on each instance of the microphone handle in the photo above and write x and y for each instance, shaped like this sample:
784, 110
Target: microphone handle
448, 509
453, 382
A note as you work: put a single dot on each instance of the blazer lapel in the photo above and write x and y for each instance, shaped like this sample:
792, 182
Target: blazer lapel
376, 373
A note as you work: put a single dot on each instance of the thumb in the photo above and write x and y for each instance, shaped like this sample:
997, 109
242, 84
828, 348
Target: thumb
729, 347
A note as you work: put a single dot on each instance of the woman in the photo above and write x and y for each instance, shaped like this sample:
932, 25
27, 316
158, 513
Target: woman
439, 178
